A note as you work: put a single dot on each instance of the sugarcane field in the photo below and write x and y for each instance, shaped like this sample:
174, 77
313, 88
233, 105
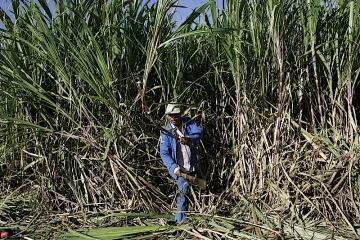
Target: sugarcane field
121, 120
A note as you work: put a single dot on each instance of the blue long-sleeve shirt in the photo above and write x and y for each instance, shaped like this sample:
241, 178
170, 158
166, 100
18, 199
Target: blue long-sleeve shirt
168, 144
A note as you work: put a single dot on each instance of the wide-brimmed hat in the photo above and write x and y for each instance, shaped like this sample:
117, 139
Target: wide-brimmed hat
172, 108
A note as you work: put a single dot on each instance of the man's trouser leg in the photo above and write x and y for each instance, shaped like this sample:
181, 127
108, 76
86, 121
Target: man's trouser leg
182, 200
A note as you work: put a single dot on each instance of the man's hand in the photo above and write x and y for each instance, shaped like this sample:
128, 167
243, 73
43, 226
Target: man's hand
184, 140
177, 173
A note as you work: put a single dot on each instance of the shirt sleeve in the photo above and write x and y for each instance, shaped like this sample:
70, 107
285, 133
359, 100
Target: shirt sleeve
195, 133
166, 154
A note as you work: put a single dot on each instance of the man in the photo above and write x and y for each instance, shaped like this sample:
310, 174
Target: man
177, 150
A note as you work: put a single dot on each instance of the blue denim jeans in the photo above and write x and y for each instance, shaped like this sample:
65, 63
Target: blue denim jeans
183, 198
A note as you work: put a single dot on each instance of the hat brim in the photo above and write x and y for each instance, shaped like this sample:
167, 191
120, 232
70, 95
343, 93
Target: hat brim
175, 111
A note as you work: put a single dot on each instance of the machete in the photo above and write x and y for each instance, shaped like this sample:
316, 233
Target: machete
197, 181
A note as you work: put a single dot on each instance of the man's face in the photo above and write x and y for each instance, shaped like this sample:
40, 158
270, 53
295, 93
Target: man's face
175, 119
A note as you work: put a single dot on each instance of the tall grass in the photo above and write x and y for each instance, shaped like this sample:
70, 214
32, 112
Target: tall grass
274, 84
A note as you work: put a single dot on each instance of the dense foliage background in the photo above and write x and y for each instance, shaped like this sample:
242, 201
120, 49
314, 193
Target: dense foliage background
274, 84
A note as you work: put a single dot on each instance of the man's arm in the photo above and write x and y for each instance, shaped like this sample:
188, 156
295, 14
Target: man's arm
166, 155
195, 133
